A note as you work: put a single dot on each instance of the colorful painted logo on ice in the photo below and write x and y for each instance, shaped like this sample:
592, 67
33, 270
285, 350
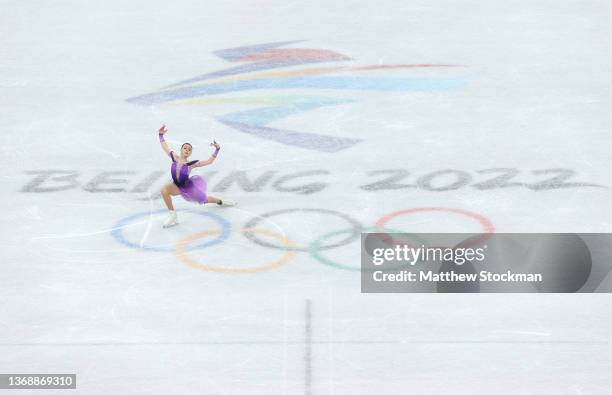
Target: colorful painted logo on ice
270, 67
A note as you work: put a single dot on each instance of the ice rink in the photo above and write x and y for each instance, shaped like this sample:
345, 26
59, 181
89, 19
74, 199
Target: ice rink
335, 118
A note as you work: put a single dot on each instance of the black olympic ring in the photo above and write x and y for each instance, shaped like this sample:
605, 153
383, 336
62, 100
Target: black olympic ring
356, 233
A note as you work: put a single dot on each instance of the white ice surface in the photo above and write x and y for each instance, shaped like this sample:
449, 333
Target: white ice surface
129, 320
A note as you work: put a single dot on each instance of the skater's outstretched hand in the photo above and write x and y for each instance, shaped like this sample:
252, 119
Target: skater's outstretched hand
212, 158
164, 146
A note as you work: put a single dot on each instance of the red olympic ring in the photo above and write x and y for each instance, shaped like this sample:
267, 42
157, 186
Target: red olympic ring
486, 224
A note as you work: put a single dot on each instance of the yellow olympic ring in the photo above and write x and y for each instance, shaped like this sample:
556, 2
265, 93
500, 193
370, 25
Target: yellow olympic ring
181, 254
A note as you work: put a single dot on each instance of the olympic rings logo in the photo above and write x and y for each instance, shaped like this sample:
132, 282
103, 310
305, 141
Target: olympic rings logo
252, 232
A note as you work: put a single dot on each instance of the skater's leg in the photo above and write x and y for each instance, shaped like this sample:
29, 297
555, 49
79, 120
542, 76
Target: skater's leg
167, 192
212, 199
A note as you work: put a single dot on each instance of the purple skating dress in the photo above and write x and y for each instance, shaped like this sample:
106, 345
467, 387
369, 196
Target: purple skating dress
192, 189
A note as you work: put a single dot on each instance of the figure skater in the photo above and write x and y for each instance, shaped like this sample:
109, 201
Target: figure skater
193, 189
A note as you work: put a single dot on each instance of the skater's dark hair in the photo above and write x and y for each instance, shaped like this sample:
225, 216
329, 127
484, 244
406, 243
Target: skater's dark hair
189, 144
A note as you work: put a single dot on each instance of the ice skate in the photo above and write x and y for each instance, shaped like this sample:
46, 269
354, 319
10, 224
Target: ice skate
171, 220
226, 203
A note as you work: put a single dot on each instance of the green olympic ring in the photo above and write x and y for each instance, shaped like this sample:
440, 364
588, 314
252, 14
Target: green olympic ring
315, 250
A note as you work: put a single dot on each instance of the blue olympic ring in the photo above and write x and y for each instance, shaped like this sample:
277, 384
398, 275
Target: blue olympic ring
122, 223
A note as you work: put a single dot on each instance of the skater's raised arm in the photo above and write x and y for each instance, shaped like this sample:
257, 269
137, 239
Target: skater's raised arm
212, 158
162, 141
